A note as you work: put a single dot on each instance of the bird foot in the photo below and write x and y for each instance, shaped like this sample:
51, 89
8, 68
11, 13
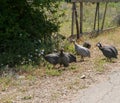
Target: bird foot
81, 60
61, 69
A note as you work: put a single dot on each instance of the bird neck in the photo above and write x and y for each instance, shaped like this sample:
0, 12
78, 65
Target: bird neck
61, 53
43, 54
100, 47
75, 43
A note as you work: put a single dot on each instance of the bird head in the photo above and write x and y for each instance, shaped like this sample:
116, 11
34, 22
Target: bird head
42, 52
99, 45
73, 41
61, 50
55, 50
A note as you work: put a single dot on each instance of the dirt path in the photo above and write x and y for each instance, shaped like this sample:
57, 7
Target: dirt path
107, 91
67, 88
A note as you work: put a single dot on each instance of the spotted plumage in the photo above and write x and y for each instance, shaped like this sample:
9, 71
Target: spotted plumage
62, 58
108, 51
82, 51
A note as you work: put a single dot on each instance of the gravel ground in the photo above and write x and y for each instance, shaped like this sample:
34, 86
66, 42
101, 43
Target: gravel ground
51, 89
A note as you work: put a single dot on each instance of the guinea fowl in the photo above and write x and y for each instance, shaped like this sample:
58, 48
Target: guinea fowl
66, 57
72, 58
61, 58
108, 51
83, 51
52, 58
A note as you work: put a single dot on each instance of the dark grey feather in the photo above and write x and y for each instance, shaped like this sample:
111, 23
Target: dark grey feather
52, 58
108, 51
82, 50
72, 58
61, 58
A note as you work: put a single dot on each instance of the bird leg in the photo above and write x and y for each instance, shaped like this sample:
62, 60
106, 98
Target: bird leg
82, 59
53, 67
109, 60
106, 59
59, 66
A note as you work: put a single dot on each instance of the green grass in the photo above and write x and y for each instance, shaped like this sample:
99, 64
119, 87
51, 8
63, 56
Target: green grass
99, 65
53, 72
8, 101
5, 82
88, 19
25, 68
72, 68
27, 97
54, 97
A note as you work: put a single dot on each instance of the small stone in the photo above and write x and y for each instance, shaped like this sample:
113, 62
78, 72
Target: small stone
83, 77
20, 76
89, 70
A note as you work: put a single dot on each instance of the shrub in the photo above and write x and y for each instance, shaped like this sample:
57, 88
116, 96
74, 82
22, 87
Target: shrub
25, 29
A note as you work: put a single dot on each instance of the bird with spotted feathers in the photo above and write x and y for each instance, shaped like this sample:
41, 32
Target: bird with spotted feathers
108, 51
82, 51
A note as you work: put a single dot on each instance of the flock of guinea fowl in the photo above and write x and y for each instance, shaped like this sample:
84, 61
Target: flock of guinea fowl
64, 58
